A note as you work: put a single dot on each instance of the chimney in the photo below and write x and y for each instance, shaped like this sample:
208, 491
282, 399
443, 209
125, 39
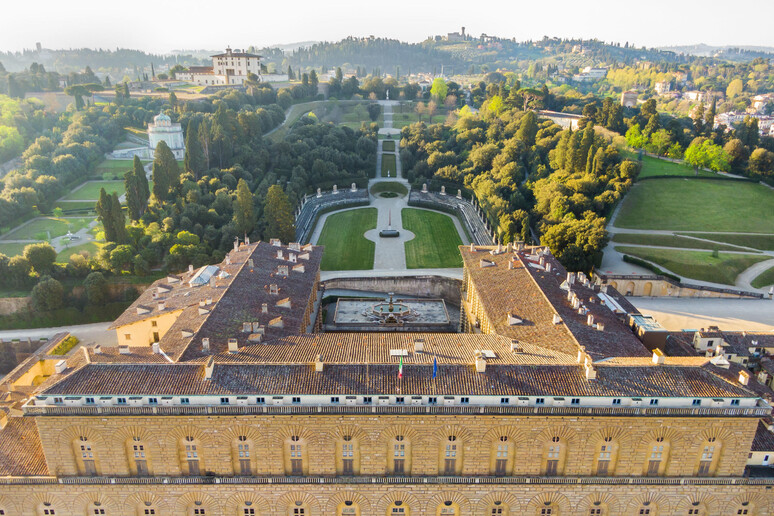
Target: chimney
190, 268
162, 305
98, 349
570, 278
549, 267
744, 377
247, 240
510, 264
480, 364
319, 365
419, 345
658, 356
233, 346
542, 260
279, 254
516, 346
265, 308
209, 368
557, 319
591, 372
250, 262
156, 348
206, 345
213, 281
590, 320
236, 245
60, 366
247, 327
123, 349
472, 247
509, 248
228, 260
600, 326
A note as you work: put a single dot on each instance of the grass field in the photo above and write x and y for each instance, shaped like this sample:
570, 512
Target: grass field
292, 116
698, 205
345, 246
11, 250
669, 241
117, 167
762, 242
436, 242
699, 265
388, 146
75, 205
38, 229
90, 190
388, 163
652, 167
400, 120
389, 186
91, 247
765, 279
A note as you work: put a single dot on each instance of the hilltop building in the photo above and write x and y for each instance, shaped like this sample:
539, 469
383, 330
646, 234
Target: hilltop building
590, 74
221, 399
163, 129
229, 68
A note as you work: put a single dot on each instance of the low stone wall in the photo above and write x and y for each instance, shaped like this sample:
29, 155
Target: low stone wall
12, 305
313, 207
660, 286
436, 287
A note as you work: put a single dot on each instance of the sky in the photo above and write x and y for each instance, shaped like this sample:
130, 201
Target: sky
160, 26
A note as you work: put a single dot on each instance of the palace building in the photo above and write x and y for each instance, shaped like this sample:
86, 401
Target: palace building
229, 68
225, 398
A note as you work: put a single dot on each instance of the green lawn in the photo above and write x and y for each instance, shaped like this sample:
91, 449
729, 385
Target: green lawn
699, 265
388, 163
117, 167
91, 247
345, 246
765, 279
652, 167
762, 242
388, 146
436, 242
38, 229
12, 250
90, 190
389, 186
698, 205
669, 241
75, 205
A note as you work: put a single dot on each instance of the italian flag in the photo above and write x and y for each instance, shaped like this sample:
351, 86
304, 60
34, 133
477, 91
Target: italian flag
400, 368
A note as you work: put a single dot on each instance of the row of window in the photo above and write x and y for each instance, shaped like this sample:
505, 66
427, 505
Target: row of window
399, 452
396, 508
382, 400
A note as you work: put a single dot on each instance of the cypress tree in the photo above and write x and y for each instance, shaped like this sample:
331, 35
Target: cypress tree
137, 192
194, 155
105, 215
590, 161
278, 215
118, 220
166, 169
244, 212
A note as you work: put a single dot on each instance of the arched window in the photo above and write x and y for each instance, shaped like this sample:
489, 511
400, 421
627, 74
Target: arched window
298, 509
497, 508
96, 509
607, 451
450, 456
448, 508
243, 450
295, 453
348, 456
84, 454
658, 455
554, 457
190, 455
502, 456
398, 508
348, 508
708, 457
138, 457
399, 453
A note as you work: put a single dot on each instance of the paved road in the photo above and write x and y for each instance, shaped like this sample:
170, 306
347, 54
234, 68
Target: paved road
96, 333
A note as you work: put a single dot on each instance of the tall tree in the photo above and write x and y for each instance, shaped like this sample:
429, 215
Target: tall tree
278, 215
165, 168
709, 118
105, 215
119, 223
194, 155
137, 192
244, 212
438, 89
528, 128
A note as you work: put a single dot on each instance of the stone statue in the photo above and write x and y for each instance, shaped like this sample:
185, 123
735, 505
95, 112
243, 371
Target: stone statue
354, 187
424, 187
335, 189
443, 190
319, 193
459, 194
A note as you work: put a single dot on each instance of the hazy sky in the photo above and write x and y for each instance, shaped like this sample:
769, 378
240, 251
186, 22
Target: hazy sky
164, 25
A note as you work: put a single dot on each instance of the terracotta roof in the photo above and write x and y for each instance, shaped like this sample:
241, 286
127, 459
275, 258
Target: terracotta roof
764, 436
21, 453
236, 54
235, 379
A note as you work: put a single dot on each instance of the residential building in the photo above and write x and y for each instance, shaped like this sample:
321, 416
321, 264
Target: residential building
545, 404
229, 68
663, 87
590, 74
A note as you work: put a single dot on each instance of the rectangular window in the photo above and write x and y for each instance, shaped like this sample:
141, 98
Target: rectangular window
575, 401
616, 401
399, 400
153, 401
128, 336
464, 400
552, 466
696, 403
734, 402
654, 402
185, 401
90, 401
296, 400
367, 400
504, 401
154, 323
432, 400
540, 401
260, 400
334, 399
224, 401
58, 400
121, 401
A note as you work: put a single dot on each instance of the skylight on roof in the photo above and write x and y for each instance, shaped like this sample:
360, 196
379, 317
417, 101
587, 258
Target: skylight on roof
203, 275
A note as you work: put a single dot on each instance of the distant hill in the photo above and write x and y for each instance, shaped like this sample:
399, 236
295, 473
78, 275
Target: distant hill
704, 50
